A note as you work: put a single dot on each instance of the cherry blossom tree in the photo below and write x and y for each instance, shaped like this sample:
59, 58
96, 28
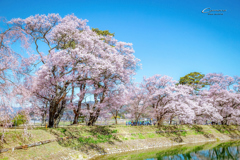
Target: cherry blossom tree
76, 54
138, 102
118, 100
160, 89
51, 30
223, 94
13, 66
171, 100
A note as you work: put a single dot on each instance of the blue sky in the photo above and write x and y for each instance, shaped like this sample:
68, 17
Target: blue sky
171, 37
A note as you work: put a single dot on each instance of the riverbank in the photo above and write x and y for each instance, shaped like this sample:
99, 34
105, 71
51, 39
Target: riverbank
88, 142
209, 150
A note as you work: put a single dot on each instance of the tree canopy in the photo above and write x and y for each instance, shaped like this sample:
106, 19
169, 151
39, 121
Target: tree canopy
102, 32
193, 79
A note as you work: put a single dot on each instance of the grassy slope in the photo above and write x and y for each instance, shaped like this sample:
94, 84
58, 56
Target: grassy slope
16, 138
94, 138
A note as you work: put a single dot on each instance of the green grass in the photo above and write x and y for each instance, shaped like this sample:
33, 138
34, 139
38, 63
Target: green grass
183, 133
86, 137
151, 135
48, 151
227, 132
141, 136
100, 134
62, 130
15, 138
114, 131
124, 138
209, 131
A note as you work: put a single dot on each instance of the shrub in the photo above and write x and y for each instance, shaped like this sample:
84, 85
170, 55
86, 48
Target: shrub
20, 118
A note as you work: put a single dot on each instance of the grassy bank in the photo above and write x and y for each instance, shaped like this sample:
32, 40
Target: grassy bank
88, 141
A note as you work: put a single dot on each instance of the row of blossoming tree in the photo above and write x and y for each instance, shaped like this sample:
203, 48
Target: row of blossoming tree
72, 67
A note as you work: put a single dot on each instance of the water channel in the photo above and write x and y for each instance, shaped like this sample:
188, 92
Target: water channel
202, 151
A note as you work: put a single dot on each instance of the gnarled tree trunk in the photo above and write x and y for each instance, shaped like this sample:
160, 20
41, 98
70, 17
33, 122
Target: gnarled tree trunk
159, 120
55, 111
77, 113
115, 119
93, 118
59, 114
171, 119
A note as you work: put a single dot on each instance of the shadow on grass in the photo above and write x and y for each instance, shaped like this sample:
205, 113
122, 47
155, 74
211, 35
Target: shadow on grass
86, 139
199, 130
230, 131
175, 133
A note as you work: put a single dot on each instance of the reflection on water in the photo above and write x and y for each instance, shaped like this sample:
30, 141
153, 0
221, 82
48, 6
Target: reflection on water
222, 151
207, 151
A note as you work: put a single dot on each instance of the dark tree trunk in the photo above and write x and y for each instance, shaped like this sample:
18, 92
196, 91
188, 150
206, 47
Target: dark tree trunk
159, 120
55, 110
59, 114
115, 116
58, 119
224, 122
93, 119
51, 120
171, 118
75, 120
52, 111
77, 113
